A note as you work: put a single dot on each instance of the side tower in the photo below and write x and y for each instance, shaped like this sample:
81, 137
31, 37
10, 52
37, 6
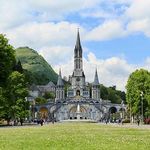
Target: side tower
60, 93
95, 87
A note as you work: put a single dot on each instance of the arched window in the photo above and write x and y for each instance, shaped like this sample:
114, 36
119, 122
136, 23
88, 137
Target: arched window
78, 93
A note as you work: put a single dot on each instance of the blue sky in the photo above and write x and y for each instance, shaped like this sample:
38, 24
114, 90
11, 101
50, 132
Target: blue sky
134, 48
115, 34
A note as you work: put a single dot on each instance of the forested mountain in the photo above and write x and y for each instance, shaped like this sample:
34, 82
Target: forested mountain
37, 70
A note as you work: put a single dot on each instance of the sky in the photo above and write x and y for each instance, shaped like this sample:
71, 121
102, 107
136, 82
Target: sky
115, 34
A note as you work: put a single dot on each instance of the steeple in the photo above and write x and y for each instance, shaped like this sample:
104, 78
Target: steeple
78, 48
96, 80
78, 77
60, 94
60, 81
95, 87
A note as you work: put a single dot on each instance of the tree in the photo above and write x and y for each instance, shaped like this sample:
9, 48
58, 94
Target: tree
49, 95
2, 101
16, 106
138, 92
110, 93
104, 92
40, 100
13, 88
113, 96
29, 77
7, 60
18, 67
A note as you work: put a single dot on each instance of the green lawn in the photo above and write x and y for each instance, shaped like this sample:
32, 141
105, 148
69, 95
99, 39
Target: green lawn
74, 136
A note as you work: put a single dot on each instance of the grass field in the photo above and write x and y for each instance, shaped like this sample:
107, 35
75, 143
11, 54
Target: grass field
74, 136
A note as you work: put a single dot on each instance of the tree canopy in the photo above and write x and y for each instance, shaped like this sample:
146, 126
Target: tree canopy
40, 100
7, 59
13, 85
138, 92
49, 95
110, 93
16, 106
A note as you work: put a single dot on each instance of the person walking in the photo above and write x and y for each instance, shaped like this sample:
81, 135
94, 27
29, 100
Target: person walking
138, 121
41, 122
53, 120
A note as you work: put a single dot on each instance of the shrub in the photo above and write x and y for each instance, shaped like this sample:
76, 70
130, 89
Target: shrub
2, 121
147, 121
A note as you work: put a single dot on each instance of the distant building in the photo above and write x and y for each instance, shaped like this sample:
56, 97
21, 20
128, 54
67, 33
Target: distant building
79, 103
40, 90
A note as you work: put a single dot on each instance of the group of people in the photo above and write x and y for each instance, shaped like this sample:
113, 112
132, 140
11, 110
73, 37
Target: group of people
106, 120
119, 121
41, 121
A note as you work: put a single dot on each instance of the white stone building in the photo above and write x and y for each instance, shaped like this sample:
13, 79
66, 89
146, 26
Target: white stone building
90, 106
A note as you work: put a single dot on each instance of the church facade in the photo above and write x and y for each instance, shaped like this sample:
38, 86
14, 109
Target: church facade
81, 101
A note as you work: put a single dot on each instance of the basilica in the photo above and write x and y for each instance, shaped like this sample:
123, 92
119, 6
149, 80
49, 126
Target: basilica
82, 102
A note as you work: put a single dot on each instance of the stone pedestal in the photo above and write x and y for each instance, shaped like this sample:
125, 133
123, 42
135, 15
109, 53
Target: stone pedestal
78, 112
78, 116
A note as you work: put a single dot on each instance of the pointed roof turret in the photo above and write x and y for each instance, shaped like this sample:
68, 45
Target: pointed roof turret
60, 81
78, 48
96, 80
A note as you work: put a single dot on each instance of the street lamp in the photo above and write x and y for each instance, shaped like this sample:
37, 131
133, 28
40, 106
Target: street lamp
130, 112
122, 109
141, 95
30, 113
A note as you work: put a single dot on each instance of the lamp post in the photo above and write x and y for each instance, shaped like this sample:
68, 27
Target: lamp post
142, 114
30, 113
122, 109
130, 112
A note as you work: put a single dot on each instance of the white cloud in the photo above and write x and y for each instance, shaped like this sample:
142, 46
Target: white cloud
111, 71
54, 41
142, 26
130, 17
138, 15
17, 12
38, 35
97, 14
134, 19
27, 18
57, 54
107, 30
147, 64
121, 1
138, 9
56, 10
39, 25
13, 13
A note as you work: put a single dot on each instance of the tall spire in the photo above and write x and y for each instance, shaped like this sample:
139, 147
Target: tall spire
60, 81
60, 72
78, 48
96, 80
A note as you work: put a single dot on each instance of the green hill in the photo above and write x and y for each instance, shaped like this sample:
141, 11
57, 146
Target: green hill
35, 66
